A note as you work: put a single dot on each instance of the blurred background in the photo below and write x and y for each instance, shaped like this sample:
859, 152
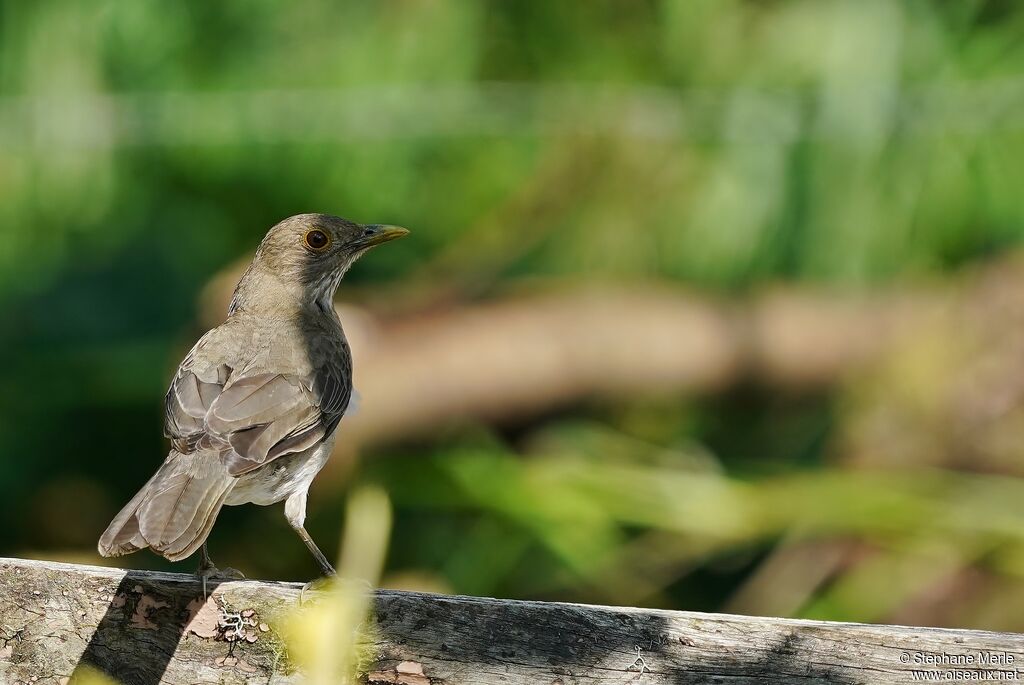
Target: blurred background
708, 304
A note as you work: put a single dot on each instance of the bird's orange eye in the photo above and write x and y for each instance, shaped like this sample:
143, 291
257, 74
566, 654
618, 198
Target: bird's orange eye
317, 239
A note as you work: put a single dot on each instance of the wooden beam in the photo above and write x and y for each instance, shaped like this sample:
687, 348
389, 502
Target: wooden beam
144, 628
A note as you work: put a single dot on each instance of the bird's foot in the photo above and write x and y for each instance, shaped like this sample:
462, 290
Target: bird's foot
207, 571
319, 585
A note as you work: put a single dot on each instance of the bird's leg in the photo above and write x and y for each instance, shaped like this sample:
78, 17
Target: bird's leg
205, 562
295, 512
208, 570
325, 566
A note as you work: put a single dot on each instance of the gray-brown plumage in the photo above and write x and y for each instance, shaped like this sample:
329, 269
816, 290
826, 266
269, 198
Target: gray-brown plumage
252, 410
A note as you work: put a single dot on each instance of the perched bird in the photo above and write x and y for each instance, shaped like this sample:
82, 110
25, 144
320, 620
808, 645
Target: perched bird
253, 409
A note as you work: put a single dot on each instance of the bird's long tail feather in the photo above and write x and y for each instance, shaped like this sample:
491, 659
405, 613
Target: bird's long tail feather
174, 512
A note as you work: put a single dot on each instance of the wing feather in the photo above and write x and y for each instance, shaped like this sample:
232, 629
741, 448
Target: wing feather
259, 417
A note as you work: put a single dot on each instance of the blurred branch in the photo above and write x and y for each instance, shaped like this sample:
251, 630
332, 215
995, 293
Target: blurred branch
525, 355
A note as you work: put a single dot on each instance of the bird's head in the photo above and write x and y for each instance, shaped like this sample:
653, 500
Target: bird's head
309, 253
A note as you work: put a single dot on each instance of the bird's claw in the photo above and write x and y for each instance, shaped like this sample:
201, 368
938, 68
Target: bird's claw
211, 572
318, 585
231, 574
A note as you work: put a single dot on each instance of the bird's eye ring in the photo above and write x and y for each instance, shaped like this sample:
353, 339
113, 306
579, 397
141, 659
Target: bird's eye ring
317, 240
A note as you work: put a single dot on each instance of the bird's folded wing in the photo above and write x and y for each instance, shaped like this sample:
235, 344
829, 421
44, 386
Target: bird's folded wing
189, 398
259, 417
266, 416
188, 401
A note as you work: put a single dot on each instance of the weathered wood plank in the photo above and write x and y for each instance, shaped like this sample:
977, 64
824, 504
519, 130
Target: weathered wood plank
142, 628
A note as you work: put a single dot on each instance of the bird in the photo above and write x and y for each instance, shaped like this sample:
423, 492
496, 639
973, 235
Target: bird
252, 411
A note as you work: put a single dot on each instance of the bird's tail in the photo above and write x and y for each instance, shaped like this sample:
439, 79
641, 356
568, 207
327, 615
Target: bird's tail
174, 512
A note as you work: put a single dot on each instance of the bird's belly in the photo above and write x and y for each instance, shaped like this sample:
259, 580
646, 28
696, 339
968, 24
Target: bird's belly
280, 478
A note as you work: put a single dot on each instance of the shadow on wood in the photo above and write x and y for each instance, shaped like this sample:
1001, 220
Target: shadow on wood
141, 628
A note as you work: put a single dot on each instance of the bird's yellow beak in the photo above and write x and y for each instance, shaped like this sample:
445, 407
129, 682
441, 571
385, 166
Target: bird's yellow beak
380, 233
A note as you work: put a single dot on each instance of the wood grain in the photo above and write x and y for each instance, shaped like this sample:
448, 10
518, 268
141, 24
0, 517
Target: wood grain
145, 628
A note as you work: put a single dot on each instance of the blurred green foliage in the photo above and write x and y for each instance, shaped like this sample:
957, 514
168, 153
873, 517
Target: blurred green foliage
726, 144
